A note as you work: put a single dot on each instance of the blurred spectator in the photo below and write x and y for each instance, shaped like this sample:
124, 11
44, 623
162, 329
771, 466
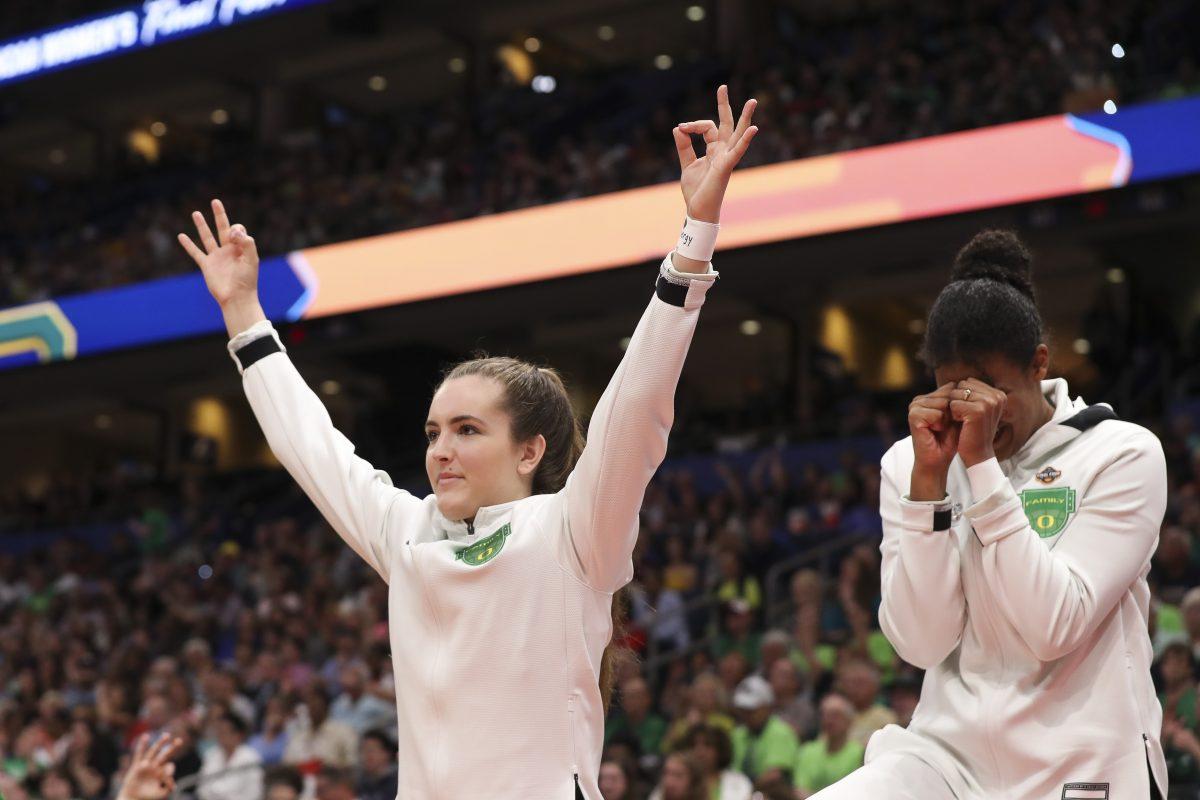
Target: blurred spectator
660, 612
616, 781
681, 779
738, 635
734, 585
378, 776
707, 703
357, 707
775, 645
1177, 667
835, 754
792, 704
764, 746
334, 783
1173, 569
1190, 610
637, 716
284, 784
712, 749
317, 738
91, 758
621, 780
903, 695
231, 770
680, 574
821, 619
271, 742
858, 681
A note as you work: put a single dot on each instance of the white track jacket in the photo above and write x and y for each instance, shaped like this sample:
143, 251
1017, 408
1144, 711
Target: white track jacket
496, 628
1029, 614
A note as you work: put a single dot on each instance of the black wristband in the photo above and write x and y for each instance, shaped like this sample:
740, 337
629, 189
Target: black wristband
259, 348
669, 292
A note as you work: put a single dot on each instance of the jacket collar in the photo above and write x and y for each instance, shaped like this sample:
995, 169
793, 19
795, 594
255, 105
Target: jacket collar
487, 520
1055, 433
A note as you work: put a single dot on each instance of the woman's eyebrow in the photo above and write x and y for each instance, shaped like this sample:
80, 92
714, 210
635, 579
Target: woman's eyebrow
455, 420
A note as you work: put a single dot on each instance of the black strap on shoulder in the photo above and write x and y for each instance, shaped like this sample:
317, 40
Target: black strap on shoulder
669, 292
1090, 417
259, 348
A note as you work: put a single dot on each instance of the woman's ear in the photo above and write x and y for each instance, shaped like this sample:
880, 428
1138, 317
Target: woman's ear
531, 454
1041, 362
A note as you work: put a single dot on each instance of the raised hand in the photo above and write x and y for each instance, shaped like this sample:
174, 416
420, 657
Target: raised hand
229, 261
935, 437
705, 179
151, 773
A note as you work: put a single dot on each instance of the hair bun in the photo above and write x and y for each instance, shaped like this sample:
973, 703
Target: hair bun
995, 255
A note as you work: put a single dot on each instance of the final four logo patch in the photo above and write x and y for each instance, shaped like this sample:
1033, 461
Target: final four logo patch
484, 550
1048, 475
1048, 509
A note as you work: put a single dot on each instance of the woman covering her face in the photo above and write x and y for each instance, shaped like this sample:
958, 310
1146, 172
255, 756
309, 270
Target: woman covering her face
1018, 523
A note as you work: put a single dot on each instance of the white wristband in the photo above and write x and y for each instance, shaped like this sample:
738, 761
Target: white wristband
698, 240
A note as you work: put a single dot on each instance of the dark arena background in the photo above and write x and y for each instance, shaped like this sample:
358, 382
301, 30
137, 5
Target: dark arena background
428, 179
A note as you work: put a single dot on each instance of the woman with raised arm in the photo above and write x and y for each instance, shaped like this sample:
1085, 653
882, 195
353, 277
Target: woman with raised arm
1018, 527
501, 582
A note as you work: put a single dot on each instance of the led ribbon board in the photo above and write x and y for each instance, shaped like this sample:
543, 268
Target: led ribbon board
126, 30
1049, 157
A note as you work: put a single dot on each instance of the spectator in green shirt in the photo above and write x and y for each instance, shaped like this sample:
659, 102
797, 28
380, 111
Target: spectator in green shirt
764, 746
735, 584
834, 755
637, 716
738, 633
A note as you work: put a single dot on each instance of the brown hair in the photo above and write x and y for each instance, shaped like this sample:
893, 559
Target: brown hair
715, 737
697, 787
536, 400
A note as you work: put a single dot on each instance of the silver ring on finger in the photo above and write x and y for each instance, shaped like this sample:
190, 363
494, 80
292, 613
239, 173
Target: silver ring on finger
967, 393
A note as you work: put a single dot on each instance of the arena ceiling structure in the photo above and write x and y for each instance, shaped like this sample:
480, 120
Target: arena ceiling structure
363, 54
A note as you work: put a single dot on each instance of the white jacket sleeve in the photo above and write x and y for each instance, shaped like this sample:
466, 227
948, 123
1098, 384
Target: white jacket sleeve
1056, 598
627, 436
354, 497
923, 609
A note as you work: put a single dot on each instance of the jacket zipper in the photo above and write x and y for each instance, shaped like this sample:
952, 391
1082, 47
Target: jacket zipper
574, 751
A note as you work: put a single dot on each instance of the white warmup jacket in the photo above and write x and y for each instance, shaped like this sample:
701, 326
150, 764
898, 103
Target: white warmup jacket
496, 628
1030, 612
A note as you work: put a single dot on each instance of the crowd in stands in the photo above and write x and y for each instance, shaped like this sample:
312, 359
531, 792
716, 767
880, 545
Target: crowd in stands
825, 84
224, 611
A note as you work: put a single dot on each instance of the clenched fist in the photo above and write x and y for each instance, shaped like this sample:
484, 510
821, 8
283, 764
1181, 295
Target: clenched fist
935, 437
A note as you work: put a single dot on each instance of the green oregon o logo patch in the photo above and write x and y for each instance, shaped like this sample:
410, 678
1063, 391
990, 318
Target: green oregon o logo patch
1048, 509
484, 550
